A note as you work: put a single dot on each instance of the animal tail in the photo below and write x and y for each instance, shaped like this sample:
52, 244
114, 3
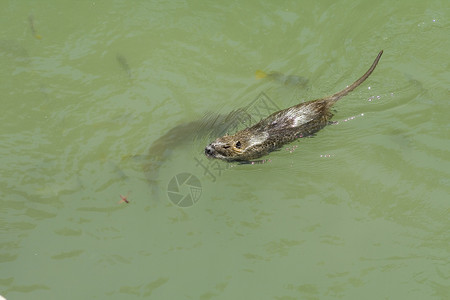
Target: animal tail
332, 99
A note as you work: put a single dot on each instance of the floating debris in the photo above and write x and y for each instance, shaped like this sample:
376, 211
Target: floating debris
124, 199
288, 80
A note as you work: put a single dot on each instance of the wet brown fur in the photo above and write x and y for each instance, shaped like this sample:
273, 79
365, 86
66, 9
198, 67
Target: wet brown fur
281, 127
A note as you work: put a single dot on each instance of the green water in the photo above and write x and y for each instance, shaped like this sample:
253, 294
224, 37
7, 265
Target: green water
360, 211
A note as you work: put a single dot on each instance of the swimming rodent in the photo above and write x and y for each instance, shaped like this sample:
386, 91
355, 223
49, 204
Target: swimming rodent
280, 128
210, 124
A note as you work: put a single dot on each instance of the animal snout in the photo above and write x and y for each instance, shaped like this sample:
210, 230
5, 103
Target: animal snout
209, 150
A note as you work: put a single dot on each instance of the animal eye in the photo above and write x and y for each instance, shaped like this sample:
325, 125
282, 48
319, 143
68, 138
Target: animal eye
226, 147
238, 145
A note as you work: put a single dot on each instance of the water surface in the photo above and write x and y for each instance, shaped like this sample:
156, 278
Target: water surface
360, 211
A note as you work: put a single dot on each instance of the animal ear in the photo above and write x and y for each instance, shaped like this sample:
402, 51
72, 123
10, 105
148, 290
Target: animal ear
238, 145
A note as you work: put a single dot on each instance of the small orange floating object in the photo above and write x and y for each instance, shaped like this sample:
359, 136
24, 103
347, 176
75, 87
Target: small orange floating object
124, 199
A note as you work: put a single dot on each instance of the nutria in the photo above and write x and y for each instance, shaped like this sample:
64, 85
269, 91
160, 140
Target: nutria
280, 128
210, 124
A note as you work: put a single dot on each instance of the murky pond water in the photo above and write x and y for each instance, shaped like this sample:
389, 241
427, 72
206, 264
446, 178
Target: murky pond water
103, 99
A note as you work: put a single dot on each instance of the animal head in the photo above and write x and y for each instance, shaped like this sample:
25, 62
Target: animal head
239, 147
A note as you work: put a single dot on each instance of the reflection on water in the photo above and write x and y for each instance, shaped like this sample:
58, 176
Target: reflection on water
123, 64
13, 49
